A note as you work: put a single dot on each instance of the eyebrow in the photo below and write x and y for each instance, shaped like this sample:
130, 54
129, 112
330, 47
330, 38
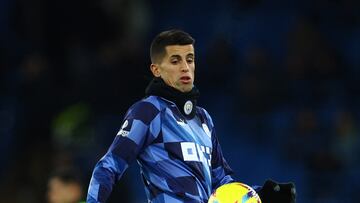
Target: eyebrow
178, 56
191, 54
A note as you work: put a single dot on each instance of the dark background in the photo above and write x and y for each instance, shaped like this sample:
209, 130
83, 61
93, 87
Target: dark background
280, 79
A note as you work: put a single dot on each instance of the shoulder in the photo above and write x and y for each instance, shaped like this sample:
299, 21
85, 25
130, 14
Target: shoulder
205, 114
145, 110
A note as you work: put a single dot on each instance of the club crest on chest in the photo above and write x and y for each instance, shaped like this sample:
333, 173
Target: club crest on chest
188, 106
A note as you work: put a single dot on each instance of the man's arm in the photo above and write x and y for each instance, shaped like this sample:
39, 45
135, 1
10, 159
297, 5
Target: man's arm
221, 171
141, 125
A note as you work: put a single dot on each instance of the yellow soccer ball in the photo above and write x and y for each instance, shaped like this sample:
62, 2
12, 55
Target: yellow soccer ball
234, 193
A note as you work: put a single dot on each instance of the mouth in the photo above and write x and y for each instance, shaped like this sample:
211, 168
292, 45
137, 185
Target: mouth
185, 79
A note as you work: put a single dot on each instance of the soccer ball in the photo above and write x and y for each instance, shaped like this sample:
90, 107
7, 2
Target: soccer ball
234, 193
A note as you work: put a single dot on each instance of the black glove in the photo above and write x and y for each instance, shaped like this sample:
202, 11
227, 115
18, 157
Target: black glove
273, 192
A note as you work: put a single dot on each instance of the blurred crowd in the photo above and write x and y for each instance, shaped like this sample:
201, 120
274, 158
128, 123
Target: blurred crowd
279, 78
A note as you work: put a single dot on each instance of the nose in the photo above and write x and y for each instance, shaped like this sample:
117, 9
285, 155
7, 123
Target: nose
185, 67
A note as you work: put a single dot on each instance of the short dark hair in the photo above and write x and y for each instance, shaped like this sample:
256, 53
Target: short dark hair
67, 175
166, 38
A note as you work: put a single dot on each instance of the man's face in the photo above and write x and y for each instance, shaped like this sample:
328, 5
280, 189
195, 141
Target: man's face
60, 192
177, 68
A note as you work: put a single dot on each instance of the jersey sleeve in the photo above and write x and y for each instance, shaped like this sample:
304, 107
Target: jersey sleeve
221, 171
140, 127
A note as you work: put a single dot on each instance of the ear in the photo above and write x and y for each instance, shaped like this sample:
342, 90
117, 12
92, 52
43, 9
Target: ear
155, 69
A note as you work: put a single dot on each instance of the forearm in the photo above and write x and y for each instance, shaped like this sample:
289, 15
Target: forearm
221, 177
106, 173
225, 180
101, 184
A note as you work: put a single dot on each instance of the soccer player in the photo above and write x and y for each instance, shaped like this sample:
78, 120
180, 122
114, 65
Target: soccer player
173, 139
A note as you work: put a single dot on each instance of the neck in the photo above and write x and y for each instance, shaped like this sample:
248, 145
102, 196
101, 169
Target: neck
185, 101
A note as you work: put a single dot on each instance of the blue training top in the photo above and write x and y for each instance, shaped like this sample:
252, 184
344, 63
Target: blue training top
180, 159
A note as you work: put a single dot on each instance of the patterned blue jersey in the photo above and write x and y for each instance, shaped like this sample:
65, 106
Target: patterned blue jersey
180, 159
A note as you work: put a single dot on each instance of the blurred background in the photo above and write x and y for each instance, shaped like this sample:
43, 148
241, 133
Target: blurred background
280, 79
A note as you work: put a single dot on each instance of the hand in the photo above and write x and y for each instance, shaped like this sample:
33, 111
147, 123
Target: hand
273, 192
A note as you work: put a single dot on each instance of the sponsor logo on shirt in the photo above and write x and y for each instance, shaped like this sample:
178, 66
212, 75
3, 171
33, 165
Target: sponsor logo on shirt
194, 152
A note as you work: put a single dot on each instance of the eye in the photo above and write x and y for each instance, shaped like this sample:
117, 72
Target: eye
174, 62
190, 60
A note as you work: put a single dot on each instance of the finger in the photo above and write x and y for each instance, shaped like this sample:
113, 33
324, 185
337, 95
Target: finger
293, 191
270, 183
288, 187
